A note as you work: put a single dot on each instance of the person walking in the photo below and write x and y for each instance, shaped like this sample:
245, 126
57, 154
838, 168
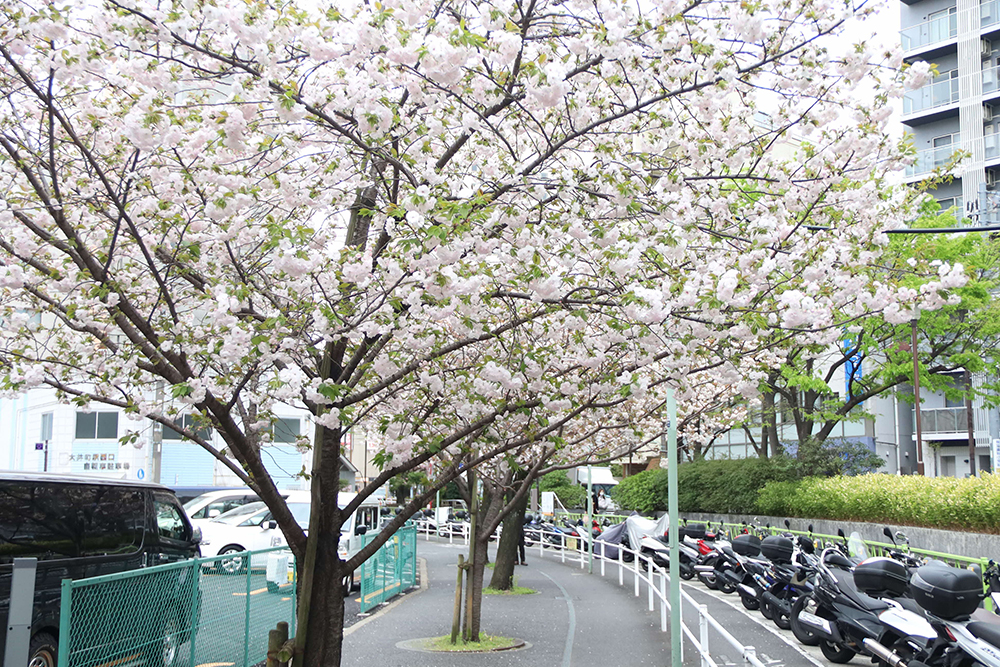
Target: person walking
520, 544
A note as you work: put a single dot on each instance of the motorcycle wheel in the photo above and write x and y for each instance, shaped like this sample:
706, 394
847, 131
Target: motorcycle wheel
766, 610
753, 604
687, 575
836, 652
780, 618
710, 581
805, 636
724, 584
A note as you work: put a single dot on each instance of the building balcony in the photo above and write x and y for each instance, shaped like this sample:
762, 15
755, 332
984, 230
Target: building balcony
933, 158
934, 95
936, 31
943, 421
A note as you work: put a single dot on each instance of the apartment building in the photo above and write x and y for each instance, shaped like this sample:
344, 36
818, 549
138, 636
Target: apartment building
959, 110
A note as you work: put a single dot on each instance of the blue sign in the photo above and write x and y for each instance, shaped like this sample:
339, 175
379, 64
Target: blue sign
39, 446
140, 473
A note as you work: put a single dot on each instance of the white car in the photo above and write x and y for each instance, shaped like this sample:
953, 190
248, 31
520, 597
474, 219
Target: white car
364, 519
248, 528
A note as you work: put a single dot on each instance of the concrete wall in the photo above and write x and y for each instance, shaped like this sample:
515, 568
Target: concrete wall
971, 545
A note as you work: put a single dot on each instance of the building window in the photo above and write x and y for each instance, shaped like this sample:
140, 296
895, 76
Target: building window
943, 24
189, 422
943, 149
286, 430
46, 430
96, 425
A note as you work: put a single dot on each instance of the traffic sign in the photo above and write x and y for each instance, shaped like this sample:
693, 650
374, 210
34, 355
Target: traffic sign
140, 473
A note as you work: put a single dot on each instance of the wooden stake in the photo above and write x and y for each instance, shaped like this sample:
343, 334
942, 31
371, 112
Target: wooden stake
456, 621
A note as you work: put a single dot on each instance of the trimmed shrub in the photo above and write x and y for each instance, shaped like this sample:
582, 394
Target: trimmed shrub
645, 492
719, 485
934, 502
569, 494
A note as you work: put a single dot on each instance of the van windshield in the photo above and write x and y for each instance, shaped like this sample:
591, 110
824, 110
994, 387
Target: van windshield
235, 516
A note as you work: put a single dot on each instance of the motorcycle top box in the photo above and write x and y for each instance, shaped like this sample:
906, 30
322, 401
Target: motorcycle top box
696, 531
747, 545
947, 592
777, 549
881, 575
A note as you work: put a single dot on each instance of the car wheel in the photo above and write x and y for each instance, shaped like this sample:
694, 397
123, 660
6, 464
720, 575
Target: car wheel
167, 647
232, 564
42, 650
835, 652
805, 636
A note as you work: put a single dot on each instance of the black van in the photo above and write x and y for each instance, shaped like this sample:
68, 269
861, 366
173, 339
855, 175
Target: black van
80, 527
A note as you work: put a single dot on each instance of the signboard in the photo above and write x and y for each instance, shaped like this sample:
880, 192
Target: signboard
440, 515
548, 502
97, 458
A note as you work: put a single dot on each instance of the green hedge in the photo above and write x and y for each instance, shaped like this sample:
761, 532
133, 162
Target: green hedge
933, 502
723, 486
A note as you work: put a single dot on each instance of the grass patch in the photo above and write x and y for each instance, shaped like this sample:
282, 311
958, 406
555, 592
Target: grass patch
490, 565
514, 590
485, 643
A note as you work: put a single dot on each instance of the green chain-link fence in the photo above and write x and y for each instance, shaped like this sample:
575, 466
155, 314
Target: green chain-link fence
390, 570
196, 612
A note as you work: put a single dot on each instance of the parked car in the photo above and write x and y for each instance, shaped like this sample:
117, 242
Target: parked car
80, 527
363, 520
248, 528
214, 504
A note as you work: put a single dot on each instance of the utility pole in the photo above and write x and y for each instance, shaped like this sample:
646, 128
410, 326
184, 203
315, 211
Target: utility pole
970, 423
156, 452
916, 396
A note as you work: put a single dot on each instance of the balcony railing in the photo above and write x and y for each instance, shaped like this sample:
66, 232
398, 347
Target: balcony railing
943, 420
933, 95
930, 159
943, 28
939, 29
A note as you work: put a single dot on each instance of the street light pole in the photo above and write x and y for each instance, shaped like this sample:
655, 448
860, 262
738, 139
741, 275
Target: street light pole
916, 395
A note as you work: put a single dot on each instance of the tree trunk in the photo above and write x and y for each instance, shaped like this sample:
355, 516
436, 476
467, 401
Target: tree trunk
476, 582
507, 552
325, 634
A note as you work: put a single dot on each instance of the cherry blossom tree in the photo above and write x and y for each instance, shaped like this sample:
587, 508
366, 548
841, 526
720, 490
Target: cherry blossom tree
448, 221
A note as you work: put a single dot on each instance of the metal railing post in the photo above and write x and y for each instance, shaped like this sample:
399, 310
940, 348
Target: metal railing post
602, 560
703, 634
246, 625
195, 606
635, 573
65, 605
649, 585
562, 550
621, 565
663, 602
749, 655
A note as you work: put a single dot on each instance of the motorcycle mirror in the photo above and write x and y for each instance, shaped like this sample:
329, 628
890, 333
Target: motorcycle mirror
840, 533
788, 524
810, 528
888, 533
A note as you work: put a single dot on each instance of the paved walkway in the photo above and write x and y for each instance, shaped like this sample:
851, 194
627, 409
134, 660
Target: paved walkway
574, 619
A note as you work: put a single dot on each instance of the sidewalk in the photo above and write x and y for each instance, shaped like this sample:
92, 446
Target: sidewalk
574, 619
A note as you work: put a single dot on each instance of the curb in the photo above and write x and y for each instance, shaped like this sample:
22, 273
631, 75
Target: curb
424, 583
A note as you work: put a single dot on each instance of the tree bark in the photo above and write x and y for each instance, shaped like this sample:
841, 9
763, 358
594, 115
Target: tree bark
476, 582
507, 552
325, 634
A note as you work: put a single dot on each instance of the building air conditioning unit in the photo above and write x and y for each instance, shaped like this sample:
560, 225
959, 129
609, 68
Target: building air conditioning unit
991, 177
987, 113
985, 48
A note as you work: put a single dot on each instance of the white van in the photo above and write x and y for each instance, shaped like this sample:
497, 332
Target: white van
364, 519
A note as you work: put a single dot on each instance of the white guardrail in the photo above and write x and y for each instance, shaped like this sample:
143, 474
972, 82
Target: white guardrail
648, 575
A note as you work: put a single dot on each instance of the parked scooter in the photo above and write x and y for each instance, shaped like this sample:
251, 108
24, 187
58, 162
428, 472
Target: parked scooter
843, 612
950, 598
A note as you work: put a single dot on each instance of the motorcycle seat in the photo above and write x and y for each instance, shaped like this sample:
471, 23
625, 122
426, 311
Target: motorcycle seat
845, 581
909, 604
988, 632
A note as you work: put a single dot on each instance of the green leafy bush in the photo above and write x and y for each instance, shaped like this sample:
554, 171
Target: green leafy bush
645, 492
569, 494
934, 502
719, 485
